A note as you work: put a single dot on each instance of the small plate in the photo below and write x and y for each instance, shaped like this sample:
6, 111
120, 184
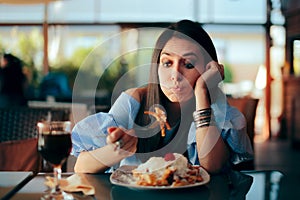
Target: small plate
123, 177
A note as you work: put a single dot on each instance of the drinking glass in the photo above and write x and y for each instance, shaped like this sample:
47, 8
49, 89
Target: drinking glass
54, 144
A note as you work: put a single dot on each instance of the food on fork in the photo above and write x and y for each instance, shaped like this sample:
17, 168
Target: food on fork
160, 117
172, 170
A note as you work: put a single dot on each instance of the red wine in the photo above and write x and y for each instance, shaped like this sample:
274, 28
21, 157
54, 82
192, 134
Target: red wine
55, 148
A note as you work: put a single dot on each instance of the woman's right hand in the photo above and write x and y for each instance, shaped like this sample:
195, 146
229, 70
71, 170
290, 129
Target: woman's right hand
102, 158
127, 137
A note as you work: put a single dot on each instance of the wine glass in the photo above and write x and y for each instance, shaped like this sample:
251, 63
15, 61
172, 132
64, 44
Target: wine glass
54, 144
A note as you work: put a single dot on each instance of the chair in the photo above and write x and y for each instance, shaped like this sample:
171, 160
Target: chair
20, 123
247, 106
20, 155
18, 137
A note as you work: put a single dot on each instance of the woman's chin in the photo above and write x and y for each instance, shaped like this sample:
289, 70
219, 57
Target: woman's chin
179, 98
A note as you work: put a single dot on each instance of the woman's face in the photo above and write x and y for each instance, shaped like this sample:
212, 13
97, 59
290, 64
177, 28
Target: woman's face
180, 65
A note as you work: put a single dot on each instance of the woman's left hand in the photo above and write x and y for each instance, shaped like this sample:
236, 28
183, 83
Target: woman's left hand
213, 75
209, 79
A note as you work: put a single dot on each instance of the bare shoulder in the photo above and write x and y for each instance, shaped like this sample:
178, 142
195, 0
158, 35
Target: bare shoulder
136, 93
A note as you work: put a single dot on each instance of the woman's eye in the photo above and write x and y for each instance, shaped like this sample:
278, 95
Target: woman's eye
189, 65
166, 63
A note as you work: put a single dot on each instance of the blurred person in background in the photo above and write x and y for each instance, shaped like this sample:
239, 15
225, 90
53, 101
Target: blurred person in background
56, 85
13, 82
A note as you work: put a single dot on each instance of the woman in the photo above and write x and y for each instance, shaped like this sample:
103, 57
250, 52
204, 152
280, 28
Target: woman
183, 83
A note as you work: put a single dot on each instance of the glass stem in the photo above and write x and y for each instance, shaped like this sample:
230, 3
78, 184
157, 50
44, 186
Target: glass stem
57, 177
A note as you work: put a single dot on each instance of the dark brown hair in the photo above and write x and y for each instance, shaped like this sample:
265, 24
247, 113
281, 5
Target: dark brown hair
183, 29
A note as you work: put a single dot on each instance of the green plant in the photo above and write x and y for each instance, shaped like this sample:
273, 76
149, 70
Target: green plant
228, 73
116, 70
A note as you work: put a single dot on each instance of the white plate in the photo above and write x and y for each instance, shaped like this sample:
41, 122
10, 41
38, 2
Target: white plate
123, 175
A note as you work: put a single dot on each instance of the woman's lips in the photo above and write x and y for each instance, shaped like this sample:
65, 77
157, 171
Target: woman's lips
176, 89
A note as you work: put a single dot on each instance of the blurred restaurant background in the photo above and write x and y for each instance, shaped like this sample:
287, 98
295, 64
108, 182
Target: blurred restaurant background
258, 41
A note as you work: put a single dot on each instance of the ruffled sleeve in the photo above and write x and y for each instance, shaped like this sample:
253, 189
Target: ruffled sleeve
90, 133
232, 125
235, 135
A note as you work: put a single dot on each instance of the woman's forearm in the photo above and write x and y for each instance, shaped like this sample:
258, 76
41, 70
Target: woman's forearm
98, 160
212, 151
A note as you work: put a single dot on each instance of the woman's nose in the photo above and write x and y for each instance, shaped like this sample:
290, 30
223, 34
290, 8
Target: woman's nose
176, 74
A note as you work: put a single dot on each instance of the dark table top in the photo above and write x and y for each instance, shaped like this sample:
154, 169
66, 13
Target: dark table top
234, 185
11, 182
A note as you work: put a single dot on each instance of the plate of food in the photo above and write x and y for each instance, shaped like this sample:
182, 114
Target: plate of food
169, 172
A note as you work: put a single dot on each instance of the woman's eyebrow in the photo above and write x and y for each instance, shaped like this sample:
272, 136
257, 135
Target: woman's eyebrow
190, 54
165, 53
185, 54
